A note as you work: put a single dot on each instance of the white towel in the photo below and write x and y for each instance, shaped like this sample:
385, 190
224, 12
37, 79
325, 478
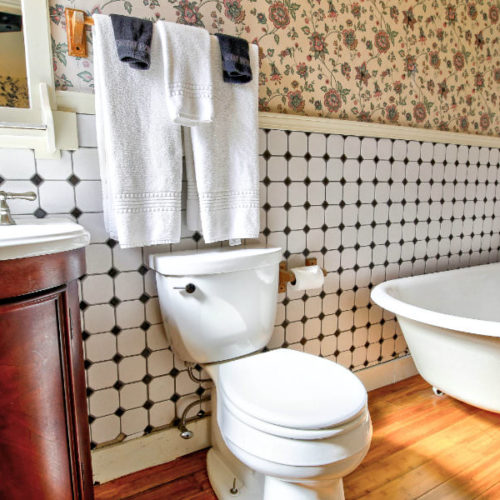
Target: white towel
140, 150
188, 76
193, 220
226, 158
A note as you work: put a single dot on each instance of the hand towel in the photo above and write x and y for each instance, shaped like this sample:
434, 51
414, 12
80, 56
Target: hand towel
140, 150
188, 76
235, 59
226, 160
133, 40
193, 220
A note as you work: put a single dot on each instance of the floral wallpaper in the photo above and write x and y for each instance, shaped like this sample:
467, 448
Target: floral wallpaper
14, 92
421, 63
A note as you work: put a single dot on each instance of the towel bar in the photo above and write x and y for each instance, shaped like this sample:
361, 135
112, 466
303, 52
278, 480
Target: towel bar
76, 20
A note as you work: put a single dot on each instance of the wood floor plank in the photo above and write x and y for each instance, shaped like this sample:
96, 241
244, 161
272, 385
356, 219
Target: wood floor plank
424, 447
134, 484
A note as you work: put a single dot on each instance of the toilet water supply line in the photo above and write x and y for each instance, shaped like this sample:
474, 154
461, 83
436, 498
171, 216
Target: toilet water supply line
185, 432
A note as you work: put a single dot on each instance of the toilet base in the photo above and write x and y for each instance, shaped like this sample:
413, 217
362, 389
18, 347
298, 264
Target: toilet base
223, 479
250, 485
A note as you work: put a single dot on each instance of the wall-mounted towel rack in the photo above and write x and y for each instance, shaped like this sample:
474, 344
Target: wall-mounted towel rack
76, 20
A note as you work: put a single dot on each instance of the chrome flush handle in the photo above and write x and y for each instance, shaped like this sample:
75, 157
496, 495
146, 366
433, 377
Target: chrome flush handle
5, 217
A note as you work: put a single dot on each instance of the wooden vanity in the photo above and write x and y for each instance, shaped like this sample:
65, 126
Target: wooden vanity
44, 434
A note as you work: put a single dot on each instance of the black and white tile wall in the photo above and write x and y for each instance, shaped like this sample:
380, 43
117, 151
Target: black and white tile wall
368, 209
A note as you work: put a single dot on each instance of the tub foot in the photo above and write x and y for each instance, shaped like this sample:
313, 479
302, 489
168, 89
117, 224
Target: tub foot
437, 392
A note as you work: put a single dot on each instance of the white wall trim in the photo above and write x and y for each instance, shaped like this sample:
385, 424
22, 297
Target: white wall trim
387, 373
80, 102
154, 449
160, 447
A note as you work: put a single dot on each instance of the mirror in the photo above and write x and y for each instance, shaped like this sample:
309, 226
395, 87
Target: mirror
13, 74
29, 116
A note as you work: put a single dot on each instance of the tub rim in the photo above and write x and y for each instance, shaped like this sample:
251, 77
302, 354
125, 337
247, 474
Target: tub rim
381, 296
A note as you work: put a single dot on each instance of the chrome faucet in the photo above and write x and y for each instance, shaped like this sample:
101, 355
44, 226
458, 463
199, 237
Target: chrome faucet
5, 217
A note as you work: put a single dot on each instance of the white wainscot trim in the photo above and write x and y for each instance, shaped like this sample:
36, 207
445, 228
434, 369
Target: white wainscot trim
387, 373
164, 446
148, 451
80, 102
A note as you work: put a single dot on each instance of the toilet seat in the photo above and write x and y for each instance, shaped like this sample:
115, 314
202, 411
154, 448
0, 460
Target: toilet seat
283, 392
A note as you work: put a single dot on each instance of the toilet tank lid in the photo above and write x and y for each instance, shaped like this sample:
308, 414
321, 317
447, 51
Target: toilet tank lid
213, 260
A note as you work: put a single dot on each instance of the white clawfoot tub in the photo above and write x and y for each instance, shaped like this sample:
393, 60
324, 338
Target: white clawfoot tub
451, 323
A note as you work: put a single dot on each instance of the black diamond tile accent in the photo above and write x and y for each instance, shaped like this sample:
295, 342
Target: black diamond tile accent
200, 391
36, 180
87, 364
90, 391
119, 411
91, 419
144, 298
287, 206
146, 353
2, 180
83, 305
326, 157
115, 301
76, 212
288, 156
148, 429
196, 236
325, 205
287, 230
147, 379
117, 358
142, 270
85, 335
287, 181
116, 330
148, 404
146, 325
266, 207
266, 181
113, 272
40, 213
118, 385
307, 156
174, 372
175, 397
73, 179
266, 231
111, 243
266, 155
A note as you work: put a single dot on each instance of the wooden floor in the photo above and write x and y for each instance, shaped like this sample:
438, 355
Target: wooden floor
424, 446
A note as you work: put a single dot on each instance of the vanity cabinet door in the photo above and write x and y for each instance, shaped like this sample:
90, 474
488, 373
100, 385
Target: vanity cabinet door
39, 426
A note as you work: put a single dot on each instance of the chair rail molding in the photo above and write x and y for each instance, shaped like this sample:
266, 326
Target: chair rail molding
84, 103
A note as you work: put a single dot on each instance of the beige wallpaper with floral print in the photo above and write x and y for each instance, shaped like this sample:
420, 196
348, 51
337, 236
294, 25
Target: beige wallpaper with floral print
421, 63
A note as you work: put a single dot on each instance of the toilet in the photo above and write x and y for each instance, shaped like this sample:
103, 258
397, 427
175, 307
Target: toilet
285, 424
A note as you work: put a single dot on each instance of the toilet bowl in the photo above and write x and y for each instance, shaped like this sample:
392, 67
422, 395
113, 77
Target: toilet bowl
285, 424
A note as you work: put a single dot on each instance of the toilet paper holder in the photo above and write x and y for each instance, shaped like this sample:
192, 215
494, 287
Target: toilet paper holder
288, 276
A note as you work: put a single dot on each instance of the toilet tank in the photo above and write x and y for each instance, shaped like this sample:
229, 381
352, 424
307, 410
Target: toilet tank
217, 304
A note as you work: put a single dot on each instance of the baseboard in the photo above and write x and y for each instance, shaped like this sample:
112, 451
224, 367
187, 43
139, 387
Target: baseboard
160, 447
387, 373
157, 448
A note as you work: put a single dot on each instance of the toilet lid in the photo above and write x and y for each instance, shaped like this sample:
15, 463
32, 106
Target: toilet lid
292, 389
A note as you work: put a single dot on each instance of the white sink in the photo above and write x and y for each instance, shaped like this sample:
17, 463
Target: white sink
30, 237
